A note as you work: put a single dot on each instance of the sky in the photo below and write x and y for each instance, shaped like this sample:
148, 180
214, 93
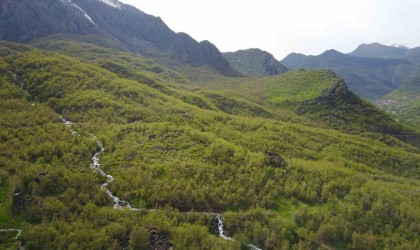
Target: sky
282, 27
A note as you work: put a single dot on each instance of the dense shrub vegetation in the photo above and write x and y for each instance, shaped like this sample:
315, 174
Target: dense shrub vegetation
341, 184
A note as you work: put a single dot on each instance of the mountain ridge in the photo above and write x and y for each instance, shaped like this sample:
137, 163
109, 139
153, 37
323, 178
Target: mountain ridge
386, 75
255, 62
108, 142
370, 78
296, 150
24, 21
377, 50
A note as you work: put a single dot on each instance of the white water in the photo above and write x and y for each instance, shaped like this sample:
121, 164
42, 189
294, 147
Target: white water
253, 247
121, 204
70, 126
118, 203
18, 231
220, 225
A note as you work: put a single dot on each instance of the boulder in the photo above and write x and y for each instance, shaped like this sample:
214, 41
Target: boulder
275, 160
21, 201
341, 88
159, 240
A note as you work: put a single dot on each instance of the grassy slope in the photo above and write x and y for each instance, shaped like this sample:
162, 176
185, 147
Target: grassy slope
311, 96
67, 208
370, 78
404, 103
255, 62
292, 87
165, 150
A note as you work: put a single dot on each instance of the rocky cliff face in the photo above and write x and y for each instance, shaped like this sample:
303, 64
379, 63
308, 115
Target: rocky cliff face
255, 62
341, 88
25, 20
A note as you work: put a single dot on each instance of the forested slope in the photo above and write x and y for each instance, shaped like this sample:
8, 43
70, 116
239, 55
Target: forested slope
370, 78
255, 62
404, 103
278, 177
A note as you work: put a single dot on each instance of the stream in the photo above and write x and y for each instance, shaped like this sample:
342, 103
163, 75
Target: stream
121, 204
18, 231
118, 203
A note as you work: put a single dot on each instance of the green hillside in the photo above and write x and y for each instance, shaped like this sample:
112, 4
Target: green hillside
387, 75
315, 98
404, 103
294, 160
370, 78
255, 62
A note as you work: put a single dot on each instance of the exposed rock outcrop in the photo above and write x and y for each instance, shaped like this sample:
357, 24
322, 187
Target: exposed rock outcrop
341, 88
275, 160
21, 201
120, 24
159, 240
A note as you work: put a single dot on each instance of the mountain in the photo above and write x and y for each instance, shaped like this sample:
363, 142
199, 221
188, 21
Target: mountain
143, 161
104, 147
377, 50
294, 60
414, 55
386, 75
369, 78
319, 96
404, 103
26, 20
255, 62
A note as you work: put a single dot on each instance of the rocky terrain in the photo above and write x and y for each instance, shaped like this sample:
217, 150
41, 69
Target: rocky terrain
124, 27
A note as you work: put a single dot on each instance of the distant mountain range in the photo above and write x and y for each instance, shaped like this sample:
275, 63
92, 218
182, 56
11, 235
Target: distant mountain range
395, 51
371, 71
125, 26
377, 50
255, 62
118, 133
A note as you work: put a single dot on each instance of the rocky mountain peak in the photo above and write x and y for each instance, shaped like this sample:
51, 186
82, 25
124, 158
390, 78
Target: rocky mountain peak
332, 52
112, 3
26, 20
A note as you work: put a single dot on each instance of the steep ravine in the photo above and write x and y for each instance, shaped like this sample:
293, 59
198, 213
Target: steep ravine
121, 204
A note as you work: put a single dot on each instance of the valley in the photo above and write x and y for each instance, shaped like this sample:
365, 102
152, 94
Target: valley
218, 151
385, 75
118, 133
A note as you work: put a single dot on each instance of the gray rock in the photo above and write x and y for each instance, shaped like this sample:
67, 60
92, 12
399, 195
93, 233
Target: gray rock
25, 20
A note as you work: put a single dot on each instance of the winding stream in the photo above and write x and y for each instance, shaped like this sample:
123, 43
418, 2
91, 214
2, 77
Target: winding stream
121, 204
18, 231
118, 203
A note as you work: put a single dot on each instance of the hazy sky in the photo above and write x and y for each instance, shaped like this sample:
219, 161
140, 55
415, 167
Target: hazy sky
281, 27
